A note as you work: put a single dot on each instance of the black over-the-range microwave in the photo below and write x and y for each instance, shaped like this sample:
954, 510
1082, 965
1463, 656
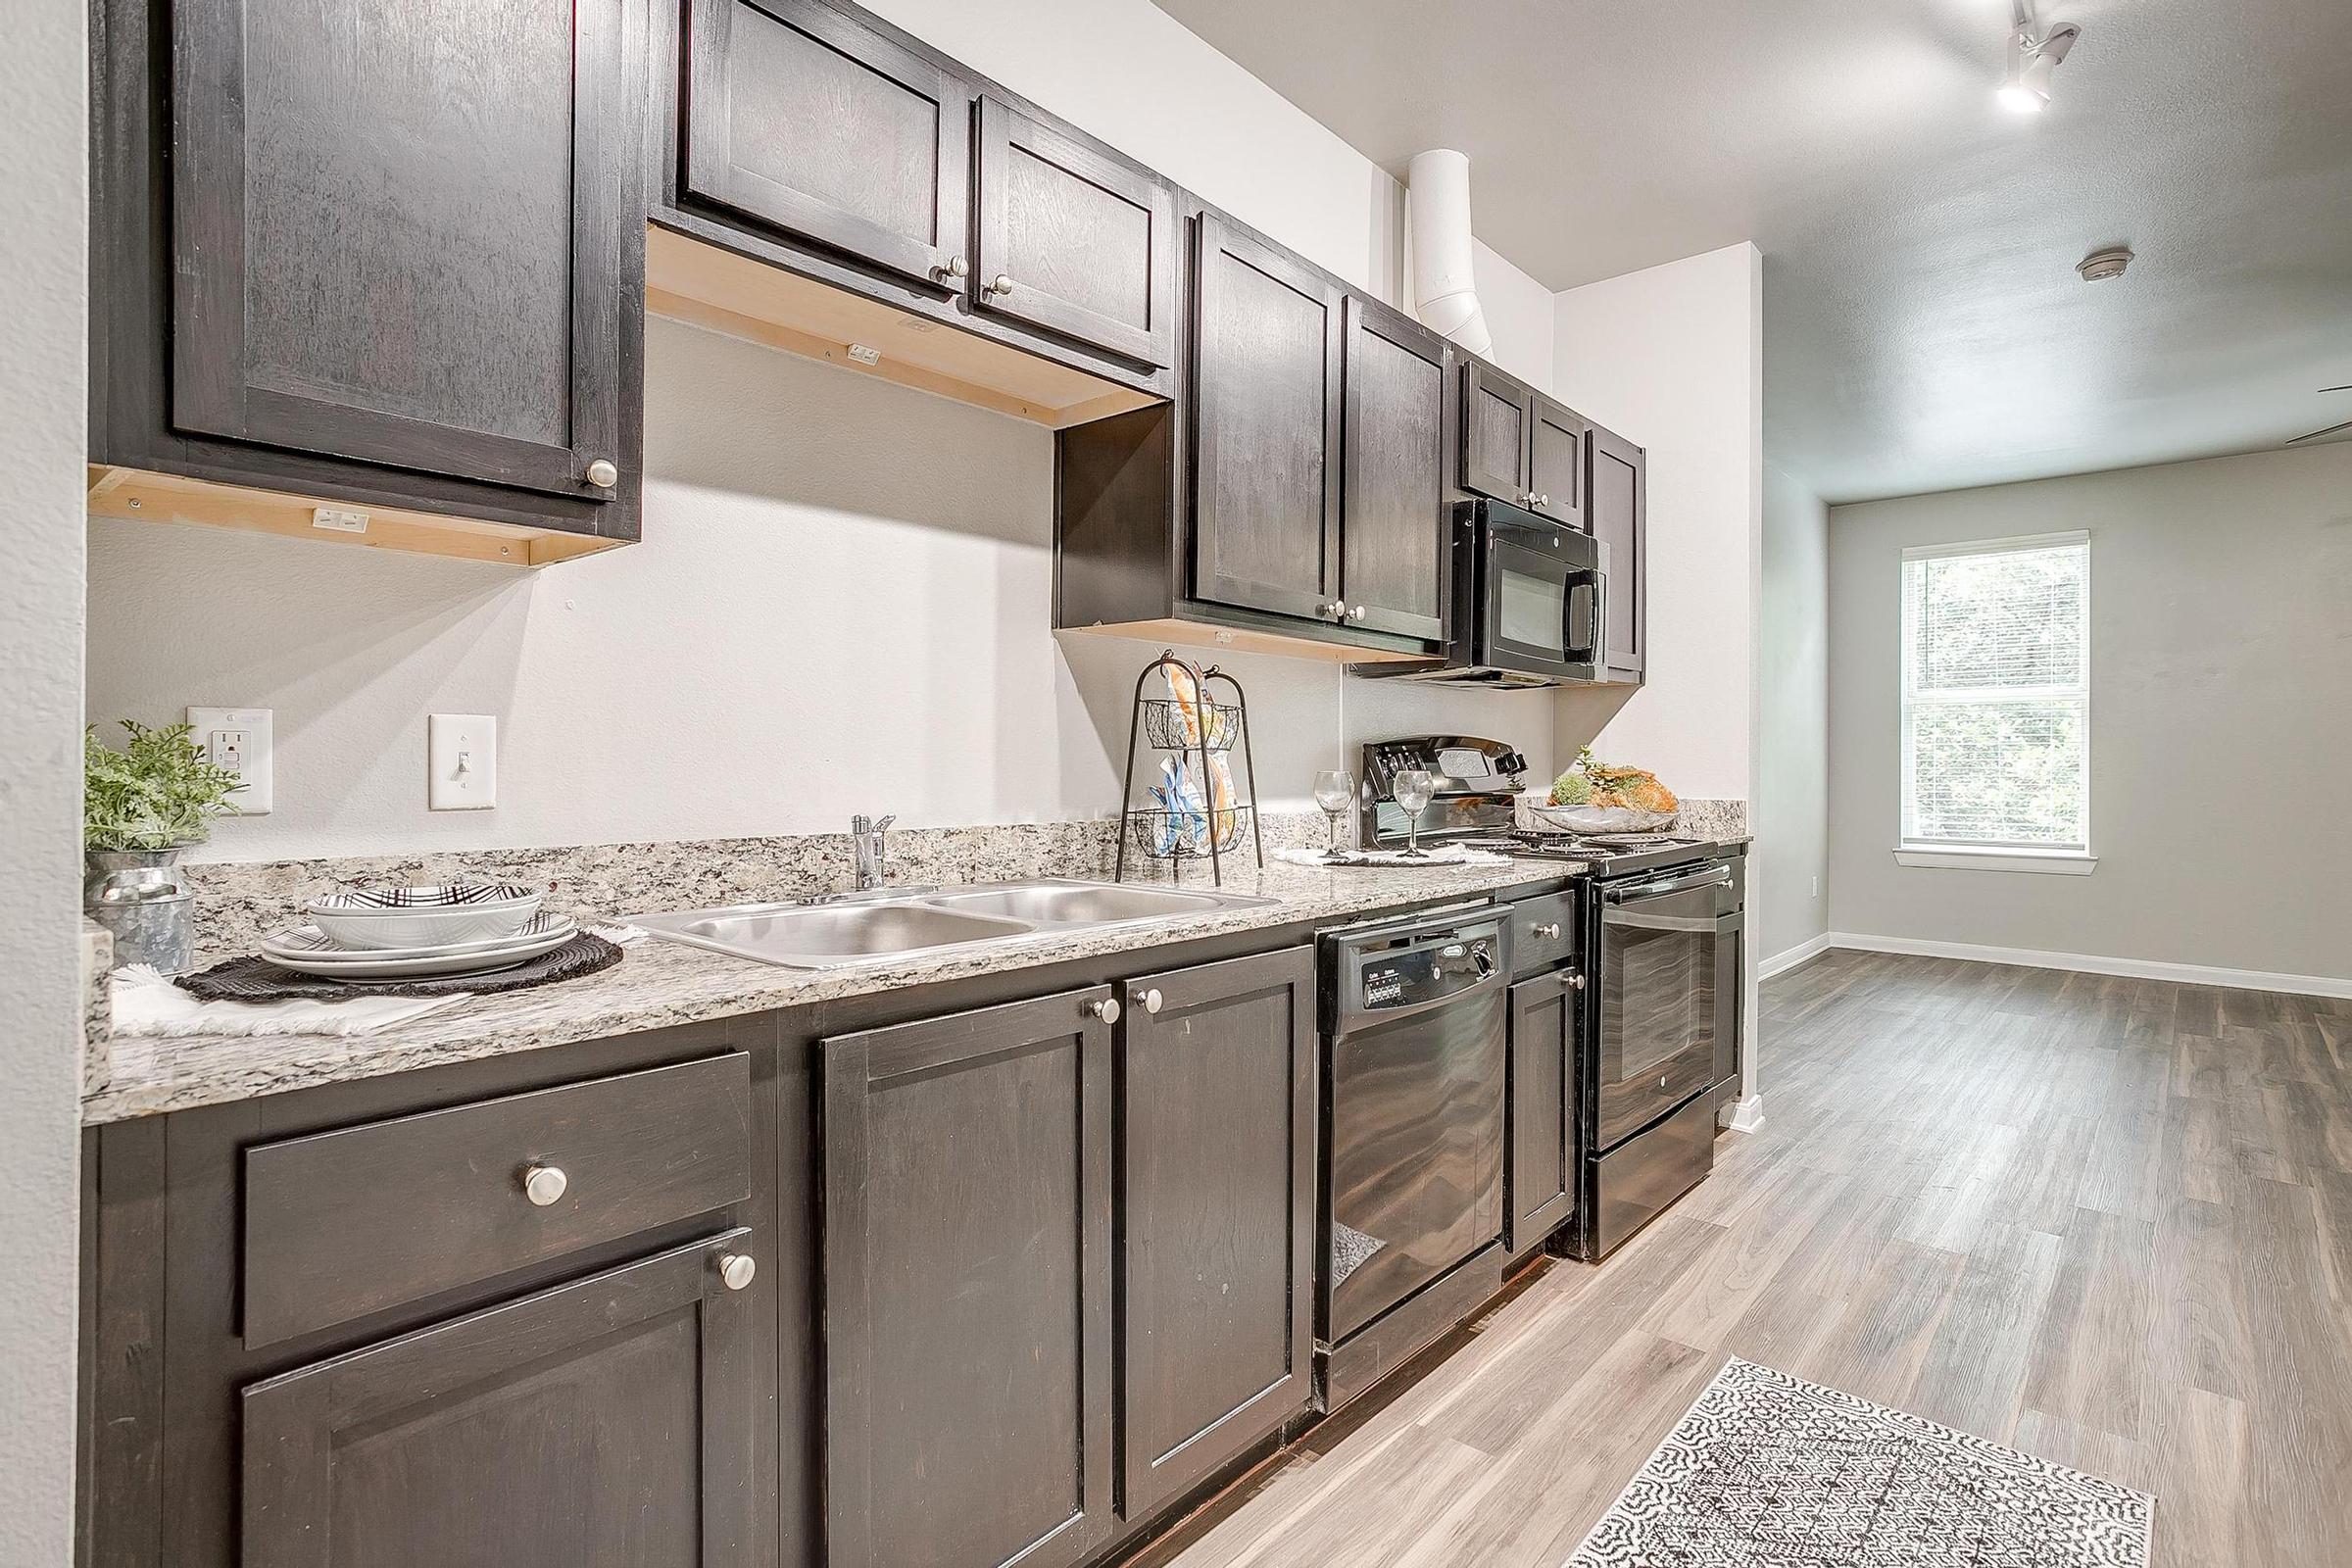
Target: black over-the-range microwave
1529, 605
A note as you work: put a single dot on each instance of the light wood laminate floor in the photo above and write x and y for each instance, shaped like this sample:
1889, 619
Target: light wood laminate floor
2107, 1221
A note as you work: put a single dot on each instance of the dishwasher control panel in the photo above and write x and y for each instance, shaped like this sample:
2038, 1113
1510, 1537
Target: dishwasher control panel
1425, 967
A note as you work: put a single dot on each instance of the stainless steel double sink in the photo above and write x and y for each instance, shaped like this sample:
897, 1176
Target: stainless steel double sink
895, 923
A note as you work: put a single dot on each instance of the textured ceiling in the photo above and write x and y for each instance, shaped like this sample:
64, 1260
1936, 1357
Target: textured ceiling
1924, 326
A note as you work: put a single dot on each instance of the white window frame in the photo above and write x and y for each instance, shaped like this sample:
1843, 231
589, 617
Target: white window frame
1956, 855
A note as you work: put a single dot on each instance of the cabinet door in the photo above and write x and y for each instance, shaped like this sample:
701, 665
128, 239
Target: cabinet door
809, 122
967, 1289
603, 1424
1555, 463
403, 233
1497, 414
1217, 1211
1075, 242
1619, 491
1541, 1145
1395, 528
1266, 412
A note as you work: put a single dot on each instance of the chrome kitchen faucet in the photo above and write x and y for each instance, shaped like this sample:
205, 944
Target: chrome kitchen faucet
868, 837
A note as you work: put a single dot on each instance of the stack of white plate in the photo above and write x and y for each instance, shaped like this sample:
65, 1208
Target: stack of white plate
419, 933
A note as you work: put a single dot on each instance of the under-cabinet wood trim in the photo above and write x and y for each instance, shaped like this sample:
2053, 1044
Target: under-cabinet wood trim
136, 495
705, 285
1203, 634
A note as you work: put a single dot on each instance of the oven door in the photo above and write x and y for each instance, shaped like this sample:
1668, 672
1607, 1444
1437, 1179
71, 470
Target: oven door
1543, 604
1659, 1003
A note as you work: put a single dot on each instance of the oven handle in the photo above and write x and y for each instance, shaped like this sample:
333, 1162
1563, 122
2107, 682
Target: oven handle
1716, 876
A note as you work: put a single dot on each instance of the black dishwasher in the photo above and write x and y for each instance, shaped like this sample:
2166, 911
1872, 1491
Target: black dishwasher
1415, 1071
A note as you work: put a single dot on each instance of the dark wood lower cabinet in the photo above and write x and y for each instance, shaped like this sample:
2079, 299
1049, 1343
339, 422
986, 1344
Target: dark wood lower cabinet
967, 1206
1540, 1156
1217, 1217
602, 1424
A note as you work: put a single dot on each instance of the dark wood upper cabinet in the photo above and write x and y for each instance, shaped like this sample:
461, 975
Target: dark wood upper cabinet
1519, 446
1395, 529
1618, 487
1541, 1152
602, 1424
809, 122
1497, 414
1217, 1216
1072, 241
1555, 463
967, 1281
1266, 428
405, 235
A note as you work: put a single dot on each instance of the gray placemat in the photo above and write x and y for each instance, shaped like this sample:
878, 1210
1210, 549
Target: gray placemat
257, 979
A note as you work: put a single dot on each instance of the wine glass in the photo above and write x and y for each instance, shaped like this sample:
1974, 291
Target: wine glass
1413, 789
1335, 792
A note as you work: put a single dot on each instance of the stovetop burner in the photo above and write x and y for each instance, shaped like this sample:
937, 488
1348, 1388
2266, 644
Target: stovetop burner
1609, 848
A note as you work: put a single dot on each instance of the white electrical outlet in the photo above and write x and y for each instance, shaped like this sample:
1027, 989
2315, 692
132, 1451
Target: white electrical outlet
461, 757
238, 739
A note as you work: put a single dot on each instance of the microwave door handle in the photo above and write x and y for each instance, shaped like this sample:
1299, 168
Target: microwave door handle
1589, 653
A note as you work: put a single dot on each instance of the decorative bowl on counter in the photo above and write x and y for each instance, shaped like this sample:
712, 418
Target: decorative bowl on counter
1536, 810
422, 917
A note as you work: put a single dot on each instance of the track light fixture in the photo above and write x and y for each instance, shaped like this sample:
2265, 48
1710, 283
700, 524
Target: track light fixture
2035, 52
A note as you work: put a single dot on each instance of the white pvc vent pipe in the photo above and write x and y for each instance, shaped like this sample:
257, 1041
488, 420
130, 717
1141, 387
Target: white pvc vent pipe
1445, 291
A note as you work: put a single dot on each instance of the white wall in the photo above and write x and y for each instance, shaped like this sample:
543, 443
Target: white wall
843, 598
1788, 868
1672, 358
2221, 741
43, 376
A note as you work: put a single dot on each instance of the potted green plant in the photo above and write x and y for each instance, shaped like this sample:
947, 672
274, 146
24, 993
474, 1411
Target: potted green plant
141, 807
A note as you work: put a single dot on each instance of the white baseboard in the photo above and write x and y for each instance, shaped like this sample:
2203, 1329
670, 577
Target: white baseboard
2190, 974
1789, 959
1744, 1116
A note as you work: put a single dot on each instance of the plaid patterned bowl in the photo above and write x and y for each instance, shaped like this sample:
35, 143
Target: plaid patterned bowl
424, 917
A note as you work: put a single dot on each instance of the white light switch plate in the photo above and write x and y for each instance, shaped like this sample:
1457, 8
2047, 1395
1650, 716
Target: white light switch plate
238, 739
462, 756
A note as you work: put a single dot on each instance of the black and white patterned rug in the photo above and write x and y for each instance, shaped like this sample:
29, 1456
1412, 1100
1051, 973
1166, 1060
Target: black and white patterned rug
1769, 1471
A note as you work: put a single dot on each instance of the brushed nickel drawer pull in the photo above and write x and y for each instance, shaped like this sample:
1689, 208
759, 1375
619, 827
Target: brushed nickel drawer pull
545, 1185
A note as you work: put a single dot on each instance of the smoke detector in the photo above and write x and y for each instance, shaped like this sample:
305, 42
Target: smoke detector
2100, 265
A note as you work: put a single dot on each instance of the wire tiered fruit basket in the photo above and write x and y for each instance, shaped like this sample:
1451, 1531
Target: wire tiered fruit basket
1205, 732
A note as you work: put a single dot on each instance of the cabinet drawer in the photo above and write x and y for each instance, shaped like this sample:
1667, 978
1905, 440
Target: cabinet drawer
1544, 934
342, 1224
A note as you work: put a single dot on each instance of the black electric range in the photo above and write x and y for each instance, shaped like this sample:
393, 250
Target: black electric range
1474, 804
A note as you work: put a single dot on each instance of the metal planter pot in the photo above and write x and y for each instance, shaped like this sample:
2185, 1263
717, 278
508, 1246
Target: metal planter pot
145, 899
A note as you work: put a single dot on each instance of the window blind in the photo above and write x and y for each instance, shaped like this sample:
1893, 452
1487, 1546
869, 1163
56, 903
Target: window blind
1996, 694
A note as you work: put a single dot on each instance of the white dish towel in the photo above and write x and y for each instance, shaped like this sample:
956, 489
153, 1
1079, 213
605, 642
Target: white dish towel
147, 1004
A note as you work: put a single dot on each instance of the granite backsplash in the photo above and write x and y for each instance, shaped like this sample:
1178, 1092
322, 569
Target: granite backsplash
240, 901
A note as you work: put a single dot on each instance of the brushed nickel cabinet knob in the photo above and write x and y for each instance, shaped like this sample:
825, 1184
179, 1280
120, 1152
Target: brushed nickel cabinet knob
1152, 999
1576, 982
956, 266
1549, 931
1359, 611
737, 1270
1337, 610
603, 473
1001, 283
1108, 1009
545, 1185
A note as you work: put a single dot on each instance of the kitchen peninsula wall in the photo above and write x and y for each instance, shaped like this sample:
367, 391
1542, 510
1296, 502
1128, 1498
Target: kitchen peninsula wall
843, 600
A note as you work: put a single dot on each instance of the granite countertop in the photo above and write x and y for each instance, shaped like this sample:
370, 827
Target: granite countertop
661, 984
